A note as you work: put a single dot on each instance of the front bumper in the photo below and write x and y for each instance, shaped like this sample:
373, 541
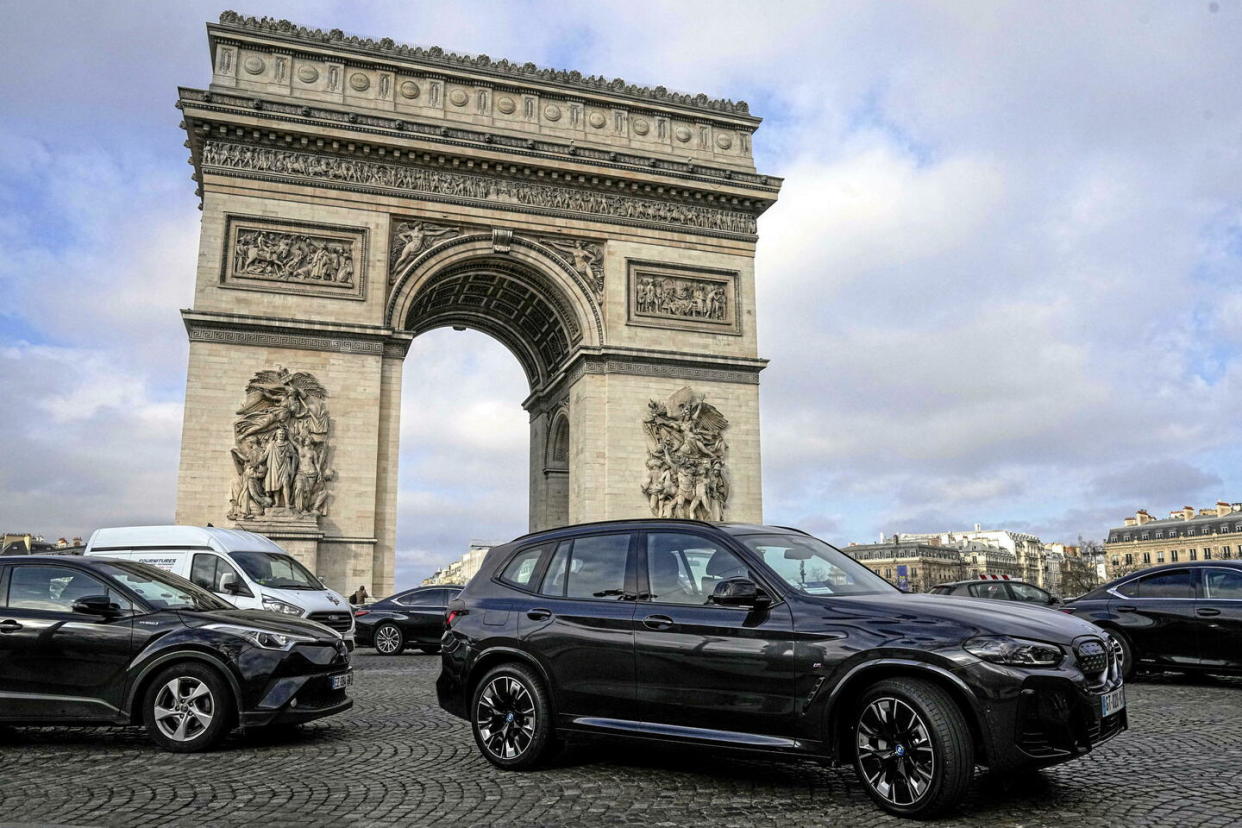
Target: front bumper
296, 699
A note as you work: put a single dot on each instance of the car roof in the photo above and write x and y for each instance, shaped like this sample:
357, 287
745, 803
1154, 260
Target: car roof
1231, 563
89, 563
986, 581
660, 523
233, 540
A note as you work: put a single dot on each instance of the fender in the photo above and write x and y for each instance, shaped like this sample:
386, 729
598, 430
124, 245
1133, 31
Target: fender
506, 653
131, 700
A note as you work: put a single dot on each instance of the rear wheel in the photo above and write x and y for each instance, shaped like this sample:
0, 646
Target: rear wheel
187, 708
512, 718
389, 640
912, 748
1125, 652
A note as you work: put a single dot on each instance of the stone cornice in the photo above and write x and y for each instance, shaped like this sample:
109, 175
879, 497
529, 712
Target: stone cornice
386, 49
302, 334
543, 148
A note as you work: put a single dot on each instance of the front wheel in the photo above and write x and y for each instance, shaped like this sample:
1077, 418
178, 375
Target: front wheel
187, 708
1125, 654
912, 748
512, 718
389, 640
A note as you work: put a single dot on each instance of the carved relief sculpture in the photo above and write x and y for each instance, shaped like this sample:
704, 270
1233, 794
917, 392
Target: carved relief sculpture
679, 297
287, 257
585, 257
687, 476
409, 239
281, 448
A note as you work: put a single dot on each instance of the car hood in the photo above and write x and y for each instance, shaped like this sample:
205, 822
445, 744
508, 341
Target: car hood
311, 600
262, 619
968, 616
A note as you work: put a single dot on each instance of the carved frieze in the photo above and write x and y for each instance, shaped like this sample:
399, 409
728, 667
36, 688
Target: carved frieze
409, 239
294, 257
504, 193
682, 297
585, 257
280, 451
687, 474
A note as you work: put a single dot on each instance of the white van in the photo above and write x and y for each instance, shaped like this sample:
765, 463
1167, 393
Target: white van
245, 569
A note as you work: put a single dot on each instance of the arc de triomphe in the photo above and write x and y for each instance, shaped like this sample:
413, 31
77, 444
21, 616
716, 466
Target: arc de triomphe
356, 193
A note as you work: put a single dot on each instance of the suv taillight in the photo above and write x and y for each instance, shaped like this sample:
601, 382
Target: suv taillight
360, 613
452, 616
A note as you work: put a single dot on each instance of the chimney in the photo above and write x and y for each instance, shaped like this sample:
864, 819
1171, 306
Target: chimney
77, 541
1222, 508
1141, 517
1188, 512
1131, 521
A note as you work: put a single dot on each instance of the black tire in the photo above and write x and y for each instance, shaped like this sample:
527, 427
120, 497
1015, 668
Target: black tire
388, 639
511, 718
188, 708
1127, 654
929, 770
429, 649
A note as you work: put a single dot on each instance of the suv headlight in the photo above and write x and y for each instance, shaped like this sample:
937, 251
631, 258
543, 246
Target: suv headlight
1017, 652
274, 605
266, 639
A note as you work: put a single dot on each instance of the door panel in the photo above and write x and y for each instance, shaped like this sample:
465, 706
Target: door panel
704, 665
1220, 618
1157, 613
54, 662
580, 625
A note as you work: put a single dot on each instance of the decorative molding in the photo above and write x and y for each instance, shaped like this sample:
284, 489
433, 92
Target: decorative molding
283, 256
461, 188
268, 332
682, 297
481, 63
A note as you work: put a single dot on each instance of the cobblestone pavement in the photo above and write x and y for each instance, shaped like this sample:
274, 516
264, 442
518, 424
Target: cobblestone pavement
396, 758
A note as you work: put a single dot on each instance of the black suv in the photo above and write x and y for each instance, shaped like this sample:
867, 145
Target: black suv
109, 642
998, 589
767, 639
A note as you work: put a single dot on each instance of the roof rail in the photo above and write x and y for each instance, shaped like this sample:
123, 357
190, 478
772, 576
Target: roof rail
685, 521
795, 529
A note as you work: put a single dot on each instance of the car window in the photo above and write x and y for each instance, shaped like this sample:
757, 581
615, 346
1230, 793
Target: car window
520, 571
990, 589
940, 590
813, 567
554, 578
55, 588
597, 567
276, 570
214, 573
684, 569
1026, 592
426, 598
1224, 583
1178, 583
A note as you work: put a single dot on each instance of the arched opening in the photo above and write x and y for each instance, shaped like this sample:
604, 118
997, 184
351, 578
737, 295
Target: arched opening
556, 471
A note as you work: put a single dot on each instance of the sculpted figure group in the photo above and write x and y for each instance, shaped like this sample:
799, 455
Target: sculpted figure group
289, 257
686, 464
281, 449
686, 298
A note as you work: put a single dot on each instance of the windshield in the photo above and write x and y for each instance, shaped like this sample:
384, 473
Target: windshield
161, 589
276, 570
813, 567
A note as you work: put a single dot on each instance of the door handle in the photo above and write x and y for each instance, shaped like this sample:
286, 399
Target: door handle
539, 614
9, 626
657, 622
1207, 611
1127, 609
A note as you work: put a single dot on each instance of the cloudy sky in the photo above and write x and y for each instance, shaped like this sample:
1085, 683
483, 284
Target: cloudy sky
1003, 284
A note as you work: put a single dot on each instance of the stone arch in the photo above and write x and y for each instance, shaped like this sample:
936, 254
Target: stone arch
556, 470
536, 283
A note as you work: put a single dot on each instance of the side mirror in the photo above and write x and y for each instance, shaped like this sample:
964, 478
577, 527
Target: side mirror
96, 605
228, 583
740, 592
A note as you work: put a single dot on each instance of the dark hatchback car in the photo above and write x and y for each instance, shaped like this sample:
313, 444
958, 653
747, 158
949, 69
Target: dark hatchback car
96, 641
998, 589
1185, 617
766, 639
411, 618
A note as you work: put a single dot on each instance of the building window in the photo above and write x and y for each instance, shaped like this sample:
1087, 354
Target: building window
1116, 561
1159, 557
1224, 551
1146, 535
1129, 559
1207, 553
1147, 557
1194, 554
1173, 556
1159, 534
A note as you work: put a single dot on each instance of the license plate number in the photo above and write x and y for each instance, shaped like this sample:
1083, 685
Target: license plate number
1113, 702
341, 681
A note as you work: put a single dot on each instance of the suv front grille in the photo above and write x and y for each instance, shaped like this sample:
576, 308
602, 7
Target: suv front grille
1093, 656
339, 621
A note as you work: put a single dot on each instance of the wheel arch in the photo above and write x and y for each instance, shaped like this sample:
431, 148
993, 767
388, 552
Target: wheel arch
496, 656
845, 695
140, 684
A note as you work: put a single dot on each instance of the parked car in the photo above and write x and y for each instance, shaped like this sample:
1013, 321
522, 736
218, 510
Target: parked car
110, 642
243, 568
999, 589
414, 617
766, 639
1185, 616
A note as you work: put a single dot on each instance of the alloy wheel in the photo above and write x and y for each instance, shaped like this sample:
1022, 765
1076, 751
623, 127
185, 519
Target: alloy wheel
387, 639
505, 716
184, 708
895, 751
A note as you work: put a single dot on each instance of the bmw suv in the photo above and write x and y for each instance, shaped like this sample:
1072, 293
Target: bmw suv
766, 639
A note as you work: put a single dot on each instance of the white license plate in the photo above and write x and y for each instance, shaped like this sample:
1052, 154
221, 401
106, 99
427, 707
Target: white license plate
342, 680
1113, 702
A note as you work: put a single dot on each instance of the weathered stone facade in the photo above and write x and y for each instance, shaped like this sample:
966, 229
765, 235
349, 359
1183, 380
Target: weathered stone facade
357, 193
